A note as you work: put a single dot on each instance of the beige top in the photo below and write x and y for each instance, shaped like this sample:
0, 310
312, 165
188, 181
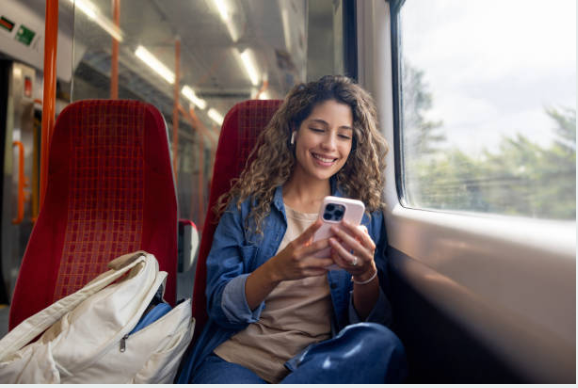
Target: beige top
296, 314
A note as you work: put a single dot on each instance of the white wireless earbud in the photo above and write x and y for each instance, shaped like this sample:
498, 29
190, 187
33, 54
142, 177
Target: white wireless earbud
293, 138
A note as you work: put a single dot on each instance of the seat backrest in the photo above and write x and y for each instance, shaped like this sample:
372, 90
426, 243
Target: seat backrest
110, 191
240, 130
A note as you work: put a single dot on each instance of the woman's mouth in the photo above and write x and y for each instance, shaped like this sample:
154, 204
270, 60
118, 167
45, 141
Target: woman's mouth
323, 160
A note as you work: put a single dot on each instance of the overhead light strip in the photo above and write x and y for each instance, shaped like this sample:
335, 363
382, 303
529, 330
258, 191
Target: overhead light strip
151, 61
250, 67
190, 94
225, 15
215, 116
286, 28
105, 23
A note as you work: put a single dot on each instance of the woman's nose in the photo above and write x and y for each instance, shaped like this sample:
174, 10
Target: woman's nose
329, 142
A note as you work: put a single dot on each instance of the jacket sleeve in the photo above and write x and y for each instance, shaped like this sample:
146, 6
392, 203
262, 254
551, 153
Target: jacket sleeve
381, 312
227, 273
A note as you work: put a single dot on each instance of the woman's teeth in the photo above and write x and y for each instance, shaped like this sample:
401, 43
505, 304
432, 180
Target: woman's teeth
324, 160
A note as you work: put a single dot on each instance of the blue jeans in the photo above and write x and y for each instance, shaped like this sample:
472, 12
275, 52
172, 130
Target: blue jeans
364, 353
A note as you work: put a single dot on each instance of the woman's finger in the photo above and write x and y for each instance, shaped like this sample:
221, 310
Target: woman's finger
352, 243
337, 258
306, 236
347, 258
315, 247
318, 263
361, 233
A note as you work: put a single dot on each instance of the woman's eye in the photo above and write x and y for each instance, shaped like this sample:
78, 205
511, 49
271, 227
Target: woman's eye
345, 137
316, 129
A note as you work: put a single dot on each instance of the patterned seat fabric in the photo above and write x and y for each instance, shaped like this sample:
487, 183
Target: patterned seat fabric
239, 133
110, 191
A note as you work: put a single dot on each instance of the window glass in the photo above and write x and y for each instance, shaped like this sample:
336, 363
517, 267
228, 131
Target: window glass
230, 51
487, 106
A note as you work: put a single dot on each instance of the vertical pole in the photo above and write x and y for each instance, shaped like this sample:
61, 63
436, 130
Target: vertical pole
114, 61
176, 108
201, 179
213, 149
49, 96
198, 126
263, 89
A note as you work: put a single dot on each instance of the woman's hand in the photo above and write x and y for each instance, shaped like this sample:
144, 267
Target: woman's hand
353, 250
296, 260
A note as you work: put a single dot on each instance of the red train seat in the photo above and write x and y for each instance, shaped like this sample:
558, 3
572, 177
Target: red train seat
241, 126
110, 191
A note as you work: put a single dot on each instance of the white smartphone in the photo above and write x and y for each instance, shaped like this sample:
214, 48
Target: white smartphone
333, 210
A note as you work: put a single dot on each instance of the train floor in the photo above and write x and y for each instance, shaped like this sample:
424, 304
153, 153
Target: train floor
184, 290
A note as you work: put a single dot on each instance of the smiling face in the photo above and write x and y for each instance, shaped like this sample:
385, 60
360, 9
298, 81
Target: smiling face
323, 141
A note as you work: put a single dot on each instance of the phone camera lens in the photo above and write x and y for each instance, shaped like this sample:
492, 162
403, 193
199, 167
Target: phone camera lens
330, 207
327, 216
338, 214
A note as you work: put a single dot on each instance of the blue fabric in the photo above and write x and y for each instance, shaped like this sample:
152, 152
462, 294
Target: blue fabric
215, 370
153, 315
364, 353
236, 252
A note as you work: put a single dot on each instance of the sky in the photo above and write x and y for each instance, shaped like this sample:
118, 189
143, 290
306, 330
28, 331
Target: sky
493, 66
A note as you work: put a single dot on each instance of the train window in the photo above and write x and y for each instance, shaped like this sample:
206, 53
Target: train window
486, 106
230, 51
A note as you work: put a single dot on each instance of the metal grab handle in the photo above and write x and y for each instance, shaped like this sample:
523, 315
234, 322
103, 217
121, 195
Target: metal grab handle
21, 183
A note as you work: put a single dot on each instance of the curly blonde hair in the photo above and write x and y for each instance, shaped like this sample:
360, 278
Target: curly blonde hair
273, 158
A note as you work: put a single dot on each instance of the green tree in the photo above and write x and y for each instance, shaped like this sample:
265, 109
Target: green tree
566, 130
421, 137
522, 178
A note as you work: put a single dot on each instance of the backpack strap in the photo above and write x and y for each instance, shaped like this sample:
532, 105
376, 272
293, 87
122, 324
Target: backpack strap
35, 325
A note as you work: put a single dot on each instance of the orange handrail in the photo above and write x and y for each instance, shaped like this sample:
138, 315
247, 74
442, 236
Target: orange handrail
114, 59
21, 183
49, 96
263, 89
197, 124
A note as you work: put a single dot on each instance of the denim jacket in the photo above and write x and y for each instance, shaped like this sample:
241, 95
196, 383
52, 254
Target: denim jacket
234, 255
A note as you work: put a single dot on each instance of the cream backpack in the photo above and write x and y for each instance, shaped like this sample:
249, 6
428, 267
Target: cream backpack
86, 334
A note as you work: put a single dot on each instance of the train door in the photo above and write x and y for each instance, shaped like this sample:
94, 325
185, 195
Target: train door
19, 168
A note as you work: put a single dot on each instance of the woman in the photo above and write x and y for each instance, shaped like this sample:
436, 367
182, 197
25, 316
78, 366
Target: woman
276, 312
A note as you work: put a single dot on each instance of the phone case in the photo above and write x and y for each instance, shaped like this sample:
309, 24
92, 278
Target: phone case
329, 213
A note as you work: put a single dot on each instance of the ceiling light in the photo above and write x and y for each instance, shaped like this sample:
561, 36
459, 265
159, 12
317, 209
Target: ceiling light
190, 94
109, 27
93, 13
222, 8
286, 28
151, 61
250, 66
86, 7
215, 116
225, 13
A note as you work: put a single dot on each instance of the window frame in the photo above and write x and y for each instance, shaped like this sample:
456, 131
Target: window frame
395, 8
